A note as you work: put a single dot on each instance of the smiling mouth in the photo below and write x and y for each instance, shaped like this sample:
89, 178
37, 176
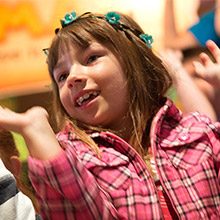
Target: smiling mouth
86, 98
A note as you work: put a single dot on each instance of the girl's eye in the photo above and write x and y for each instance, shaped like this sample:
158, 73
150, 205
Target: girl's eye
92, 59
62, 77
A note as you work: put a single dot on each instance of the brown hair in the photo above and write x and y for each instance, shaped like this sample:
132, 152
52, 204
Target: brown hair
7, 147
7, 150
147, 78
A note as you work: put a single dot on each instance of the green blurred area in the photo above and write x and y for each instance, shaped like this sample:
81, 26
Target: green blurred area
21, 146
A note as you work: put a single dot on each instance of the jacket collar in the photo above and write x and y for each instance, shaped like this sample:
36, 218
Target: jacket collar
169, 129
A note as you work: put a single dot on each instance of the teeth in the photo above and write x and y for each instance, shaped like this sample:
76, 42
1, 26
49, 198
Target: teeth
85, 96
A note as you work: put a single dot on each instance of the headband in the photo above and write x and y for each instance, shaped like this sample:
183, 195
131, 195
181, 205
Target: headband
113, 18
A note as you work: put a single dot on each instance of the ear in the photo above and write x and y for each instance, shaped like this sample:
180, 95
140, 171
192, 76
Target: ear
15, 166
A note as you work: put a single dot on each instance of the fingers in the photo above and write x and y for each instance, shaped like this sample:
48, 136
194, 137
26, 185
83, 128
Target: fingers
214, 49
199, 69
205, 59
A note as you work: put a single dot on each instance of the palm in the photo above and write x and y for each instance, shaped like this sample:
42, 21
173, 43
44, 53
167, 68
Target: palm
206, 68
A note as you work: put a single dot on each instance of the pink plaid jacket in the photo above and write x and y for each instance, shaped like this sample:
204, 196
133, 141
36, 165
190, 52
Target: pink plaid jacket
79, 185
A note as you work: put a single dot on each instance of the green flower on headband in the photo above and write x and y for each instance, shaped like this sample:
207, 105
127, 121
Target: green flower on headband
68, 19
112, 18
148, 39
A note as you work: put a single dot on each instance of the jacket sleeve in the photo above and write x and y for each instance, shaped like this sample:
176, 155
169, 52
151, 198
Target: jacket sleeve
65, 179
214, 136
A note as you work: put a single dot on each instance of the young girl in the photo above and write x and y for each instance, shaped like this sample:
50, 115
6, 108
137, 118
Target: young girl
123, 151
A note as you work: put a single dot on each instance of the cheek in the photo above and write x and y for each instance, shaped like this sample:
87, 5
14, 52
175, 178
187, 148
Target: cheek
64, 99
118, 87
119, 96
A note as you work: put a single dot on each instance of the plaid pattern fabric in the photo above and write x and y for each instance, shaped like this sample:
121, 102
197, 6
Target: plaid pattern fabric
187, 153
79, 185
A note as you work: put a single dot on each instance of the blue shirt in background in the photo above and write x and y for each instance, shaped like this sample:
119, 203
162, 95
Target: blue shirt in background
204, 29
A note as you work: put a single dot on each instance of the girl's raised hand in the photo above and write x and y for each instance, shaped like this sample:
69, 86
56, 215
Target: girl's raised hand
208, 69
21, 122
33, 125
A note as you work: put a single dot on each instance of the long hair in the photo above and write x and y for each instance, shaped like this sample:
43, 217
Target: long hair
147, 78
7, 147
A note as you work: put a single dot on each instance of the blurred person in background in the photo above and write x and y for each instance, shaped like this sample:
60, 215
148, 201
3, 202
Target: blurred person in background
206, 28
191, 43
190, 95
17, 199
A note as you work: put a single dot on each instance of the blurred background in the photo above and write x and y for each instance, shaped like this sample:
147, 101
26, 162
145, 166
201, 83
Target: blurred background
27, 26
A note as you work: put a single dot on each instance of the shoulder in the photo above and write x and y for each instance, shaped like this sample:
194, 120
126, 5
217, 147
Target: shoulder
187, 140
173, 128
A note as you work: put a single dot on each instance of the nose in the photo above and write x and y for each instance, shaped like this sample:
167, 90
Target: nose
76, 78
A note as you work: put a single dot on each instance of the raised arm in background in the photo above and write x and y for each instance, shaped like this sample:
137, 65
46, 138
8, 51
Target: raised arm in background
190, 95
173, 39
207, 69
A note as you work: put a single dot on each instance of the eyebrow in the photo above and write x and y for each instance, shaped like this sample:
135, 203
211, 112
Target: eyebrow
59, 64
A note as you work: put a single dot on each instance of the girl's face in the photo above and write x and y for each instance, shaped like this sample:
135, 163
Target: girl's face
92, 86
